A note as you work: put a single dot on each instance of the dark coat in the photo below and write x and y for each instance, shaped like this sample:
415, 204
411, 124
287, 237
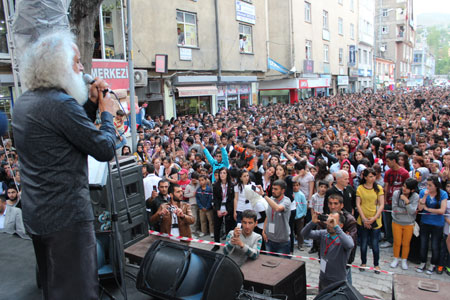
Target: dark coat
54, 136
217, 197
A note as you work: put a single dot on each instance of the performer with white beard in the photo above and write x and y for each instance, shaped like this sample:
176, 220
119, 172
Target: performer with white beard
54, 133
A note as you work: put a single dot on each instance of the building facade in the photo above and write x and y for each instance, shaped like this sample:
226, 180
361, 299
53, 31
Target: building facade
424, 63
384, 73
214, 54
366, 13
395, 36
311, 48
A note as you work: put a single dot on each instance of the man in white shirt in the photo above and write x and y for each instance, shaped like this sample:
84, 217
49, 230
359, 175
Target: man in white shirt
151, 183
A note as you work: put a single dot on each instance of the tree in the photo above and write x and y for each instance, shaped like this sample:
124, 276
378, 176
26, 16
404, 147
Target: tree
83, 18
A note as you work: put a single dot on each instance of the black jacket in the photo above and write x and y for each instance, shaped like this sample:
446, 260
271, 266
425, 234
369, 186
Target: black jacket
217, 197
348, 194
54, 135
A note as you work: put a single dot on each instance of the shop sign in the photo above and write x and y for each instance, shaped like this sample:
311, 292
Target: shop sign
244, 89
342, 80
369, 73
232, 89
245, 12
115, 73
185, 53
221, 90
314, 83
361, 72
308, 66
352, 55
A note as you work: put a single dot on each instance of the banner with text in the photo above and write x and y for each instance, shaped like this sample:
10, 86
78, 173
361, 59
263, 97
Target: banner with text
115, 73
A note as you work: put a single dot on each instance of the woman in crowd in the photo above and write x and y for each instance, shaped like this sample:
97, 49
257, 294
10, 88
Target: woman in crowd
404, 206
370, 204
223, 198
433, 200
240, 202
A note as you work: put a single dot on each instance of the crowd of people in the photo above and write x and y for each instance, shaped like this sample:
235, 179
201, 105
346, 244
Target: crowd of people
381, 161
367, 169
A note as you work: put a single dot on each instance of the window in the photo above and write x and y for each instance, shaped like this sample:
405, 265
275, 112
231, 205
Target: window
352, 31
3, 32
385, 12
341, 2
383, 47
307, 12
359, 56
365, 56
109, 32
245, 39
308, 49
340, 26
352, 5
325, 20
384, 29
187, 29
370, 58
325, 53
341, 56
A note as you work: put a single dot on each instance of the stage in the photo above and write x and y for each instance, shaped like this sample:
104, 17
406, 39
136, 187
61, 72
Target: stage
18, 273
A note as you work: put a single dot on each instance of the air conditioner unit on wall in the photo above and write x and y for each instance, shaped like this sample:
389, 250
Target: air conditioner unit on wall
140, 78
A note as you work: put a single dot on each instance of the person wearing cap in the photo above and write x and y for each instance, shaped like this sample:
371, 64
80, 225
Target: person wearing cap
183, 181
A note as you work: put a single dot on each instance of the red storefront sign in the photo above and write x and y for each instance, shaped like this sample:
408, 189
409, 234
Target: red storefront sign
115, 73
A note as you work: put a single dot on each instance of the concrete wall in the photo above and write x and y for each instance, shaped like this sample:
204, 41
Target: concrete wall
155, 32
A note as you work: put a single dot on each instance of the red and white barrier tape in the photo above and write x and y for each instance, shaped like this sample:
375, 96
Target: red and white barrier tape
186, 239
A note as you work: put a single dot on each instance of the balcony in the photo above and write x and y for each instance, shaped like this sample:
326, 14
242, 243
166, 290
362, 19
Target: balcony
400, 36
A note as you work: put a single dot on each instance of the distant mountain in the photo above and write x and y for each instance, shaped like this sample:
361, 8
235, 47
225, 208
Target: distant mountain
433, 19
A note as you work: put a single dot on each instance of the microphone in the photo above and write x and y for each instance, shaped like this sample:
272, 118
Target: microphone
88, 79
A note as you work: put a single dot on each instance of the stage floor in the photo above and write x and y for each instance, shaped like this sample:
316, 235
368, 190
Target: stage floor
18, 273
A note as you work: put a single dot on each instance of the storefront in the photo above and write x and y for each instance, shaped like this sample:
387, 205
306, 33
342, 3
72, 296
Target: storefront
233, 96
292, 90
191, 100
343, 84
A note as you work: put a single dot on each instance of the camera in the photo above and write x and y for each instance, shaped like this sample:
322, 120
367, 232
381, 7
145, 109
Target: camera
322, 217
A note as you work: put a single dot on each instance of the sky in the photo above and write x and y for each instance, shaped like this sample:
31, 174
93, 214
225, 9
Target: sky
431, 6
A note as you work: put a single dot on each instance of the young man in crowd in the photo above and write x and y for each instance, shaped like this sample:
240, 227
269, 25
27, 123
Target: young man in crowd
242, 242
335, 248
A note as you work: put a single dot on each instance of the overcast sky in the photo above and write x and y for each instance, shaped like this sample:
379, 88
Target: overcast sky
431, 6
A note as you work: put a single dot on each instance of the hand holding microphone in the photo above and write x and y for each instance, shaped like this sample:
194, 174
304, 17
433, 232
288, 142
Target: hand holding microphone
99, 93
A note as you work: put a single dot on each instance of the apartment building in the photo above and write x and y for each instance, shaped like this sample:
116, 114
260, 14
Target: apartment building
395, 35
366, 13
198, 57
313, 44
424, 63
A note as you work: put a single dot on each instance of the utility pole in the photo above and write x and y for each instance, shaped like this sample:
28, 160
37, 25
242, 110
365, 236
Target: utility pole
131, 77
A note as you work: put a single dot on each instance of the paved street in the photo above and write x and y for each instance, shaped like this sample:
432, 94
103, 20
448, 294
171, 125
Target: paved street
373, 285
367, 282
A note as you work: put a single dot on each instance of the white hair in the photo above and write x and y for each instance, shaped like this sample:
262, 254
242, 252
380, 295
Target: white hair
340, 173
48, 63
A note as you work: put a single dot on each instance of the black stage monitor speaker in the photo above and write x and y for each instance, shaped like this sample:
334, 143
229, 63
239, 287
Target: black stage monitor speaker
134, 188
177, 271
341, 290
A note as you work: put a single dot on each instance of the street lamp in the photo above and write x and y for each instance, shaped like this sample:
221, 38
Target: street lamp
375, 44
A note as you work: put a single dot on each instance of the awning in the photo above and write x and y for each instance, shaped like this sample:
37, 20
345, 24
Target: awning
202, 90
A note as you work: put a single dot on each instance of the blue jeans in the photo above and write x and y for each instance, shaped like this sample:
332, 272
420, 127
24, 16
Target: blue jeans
387, 223
284, 247
435, 232
372, 236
